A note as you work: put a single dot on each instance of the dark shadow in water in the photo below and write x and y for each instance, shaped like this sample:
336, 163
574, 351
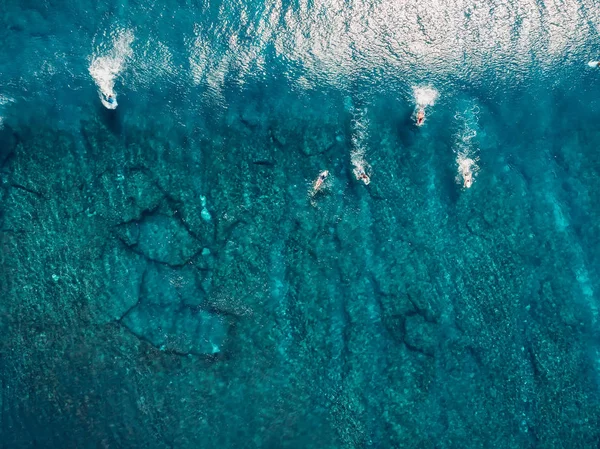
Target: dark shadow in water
8, 142
407, 130
450, 189
112, 119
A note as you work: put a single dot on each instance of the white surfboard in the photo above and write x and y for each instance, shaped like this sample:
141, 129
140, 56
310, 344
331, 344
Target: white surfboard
593, 63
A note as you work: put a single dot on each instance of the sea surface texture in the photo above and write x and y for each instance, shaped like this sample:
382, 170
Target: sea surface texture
222, 228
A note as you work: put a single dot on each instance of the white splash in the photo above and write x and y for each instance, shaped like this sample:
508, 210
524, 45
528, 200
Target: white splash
360, 167
467, 168
425, 96
108, 63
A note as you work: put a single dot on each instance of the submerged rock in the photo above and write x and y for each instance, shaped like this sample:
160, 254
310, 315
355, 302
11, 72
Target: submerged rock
160, 238
165, 308
420, 335
116, 283
167, 286
178, 328
122, 196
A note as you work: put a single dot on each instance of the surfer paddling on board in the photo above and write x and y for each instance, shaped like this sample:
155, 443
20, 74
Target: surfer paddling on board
466, 169
425, 96
319, 181
109, 100
361, 175
420, 116
318, 186
468, 179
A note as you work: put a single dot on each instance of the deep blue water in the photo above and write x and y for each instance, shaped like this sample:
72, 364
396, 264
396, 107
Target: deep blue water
171, 278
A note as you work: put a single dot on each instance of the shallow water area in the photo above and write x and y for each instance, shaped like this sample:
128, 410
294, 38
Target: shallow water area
174, 275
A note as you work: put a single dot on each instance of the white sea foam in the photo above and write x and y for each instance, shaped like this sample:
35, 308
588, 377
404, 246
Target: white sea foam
425, 96
467, 169
108, 62
361, 167
466, 149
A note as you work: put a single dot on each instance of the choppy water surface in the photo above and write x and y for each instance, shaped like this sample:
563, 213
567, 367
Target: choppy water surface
222, 228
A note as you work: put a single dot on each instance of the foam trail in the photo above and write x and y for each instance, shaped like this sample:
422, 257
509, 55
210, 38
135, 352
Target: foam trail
361, 168
466, 151
108, 64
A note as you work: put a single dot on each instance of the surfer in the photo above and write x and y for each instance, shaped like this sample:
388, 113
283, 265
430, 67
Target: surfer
420, 116
360, 174
468, 179
465, 170
111, 99
319, 181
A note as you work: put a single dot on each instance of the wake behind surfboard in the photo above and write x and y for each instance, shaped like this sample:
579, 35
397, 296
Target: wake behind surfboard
108, 62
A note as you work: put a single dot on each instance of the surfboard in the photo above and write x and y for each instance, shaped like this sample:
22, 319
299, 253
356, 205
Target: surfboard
107, 105
593, 63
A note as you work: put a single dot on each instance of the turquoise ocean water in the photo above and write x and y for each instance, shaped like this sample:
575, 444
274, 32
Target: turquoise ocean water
170, 277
